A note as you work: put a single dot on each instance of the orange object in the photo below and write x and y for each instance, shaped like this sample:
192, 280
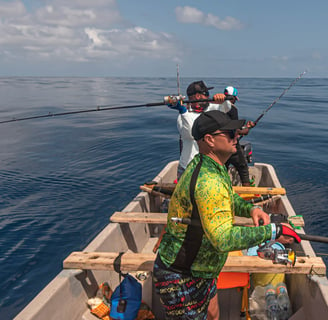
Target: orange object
248, 196
228, 280
101, 310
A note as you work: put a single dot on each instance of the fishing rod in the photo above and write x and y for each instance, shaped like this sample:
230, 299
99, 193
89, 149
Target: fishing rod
277, 99
313, 238
308, 237
281, 219
178, 80
273, 103
167, 100
98, 108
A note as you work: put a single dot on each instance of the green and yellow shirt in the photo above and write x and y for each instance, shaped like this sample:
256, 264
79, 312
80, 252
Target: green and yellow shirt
217, 204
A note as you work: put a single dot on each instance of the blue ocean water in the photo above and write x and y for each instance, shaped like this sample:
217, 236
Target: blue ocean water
62, 177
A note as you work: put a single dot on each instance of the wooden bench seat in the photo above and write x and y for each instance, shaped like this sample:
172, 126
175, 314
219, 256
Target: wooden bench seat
161, 218
145, 262
166, 190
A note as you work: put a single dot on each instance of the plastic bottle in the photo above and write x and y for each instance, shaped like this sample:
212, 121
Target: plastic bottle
271, 302
257, 303
283, 301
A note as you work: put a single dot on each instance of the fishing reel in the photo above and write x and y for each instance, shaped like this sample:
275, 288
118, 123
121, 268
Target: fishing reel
173, 100
269, 251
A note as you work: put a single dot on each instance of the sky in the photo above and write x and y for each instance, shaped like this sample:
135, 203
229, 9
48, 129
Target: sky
149, 38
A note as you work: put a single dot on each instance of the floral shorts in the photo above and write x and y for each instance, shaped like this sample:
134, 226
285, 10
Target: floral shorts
183, 296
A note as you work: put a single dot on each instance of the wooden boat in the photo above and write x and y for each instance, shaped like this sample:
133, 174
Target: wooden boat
136, 232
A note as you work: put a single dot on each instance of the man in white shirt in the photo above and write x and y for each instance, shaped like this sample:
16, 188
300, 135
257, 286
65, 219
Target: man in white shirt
188, 114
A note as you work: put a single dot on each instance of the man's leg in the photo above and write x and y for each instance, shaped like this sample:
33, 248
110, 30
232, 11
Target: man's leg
213, 311
239, 162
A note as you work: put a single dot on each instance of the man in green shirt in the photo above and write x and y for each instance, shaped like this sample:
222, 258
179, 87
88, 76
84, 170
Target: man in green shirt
191, 256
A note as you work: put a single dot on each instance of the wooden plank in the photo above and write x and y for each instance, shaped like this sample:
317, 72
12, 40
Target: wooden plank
141, 217
252, 264
161, 218
145, 262
105, 260
259, 190
237, 189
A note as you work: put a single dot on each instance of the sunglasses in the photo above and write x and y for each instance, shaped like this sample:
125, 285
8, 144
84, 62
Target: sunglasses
205, 93
231, 133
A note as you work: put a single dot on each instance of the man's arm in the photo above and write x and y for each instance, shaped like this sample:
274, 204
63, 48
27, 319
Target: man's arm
214, 202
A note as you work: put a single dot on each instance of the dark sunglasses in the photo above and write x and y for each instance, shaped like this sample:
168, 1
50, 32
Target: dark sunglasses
231, 133
205, 93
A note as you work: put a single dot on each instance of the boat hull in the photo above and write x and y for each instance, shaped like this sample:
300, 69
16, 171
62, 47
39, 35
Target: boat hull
66, 295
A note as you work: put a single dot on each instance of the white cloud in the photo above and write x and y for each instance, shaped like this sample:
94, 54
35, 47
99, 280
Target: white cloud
132, 42
79, 13
229, 23
79, 30
189, 15
192, 15
12, 9
94, 36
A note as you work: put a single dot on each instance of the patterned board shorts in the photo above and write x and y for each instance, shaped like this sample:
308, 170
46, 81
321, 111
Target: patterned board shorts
183, 296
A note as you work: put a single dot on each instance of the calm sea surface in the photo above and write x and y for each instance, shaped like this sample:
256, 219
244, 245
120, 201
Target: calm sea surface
62, 177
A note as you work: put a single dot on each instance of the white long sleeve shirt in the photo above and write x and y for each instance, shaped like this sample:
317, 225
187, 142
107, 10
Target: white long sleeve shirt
185, 122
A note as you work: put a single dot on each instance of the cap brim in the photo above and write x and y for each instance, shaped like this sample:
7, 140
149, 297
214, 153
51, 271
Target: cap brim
233, 124
210, 88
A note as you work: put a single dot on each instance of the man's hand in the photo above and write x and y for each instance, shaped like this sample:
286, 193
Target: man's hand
250, 124
285, 234
245, 130
219, 98
178, 106
258, 214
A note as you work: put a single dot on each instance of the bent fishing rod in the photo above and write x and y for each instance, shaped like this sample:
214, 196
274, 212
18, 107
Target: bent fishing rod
273, 103
278, 98
167, 100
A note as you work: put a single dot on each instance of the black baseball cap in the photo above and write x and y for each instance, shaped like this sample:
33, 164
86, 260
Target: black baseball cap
197, 87
210, 121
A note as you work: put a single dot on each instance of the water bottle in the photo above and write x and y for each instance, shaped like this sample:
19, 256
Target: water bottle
283, 301
271, 302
